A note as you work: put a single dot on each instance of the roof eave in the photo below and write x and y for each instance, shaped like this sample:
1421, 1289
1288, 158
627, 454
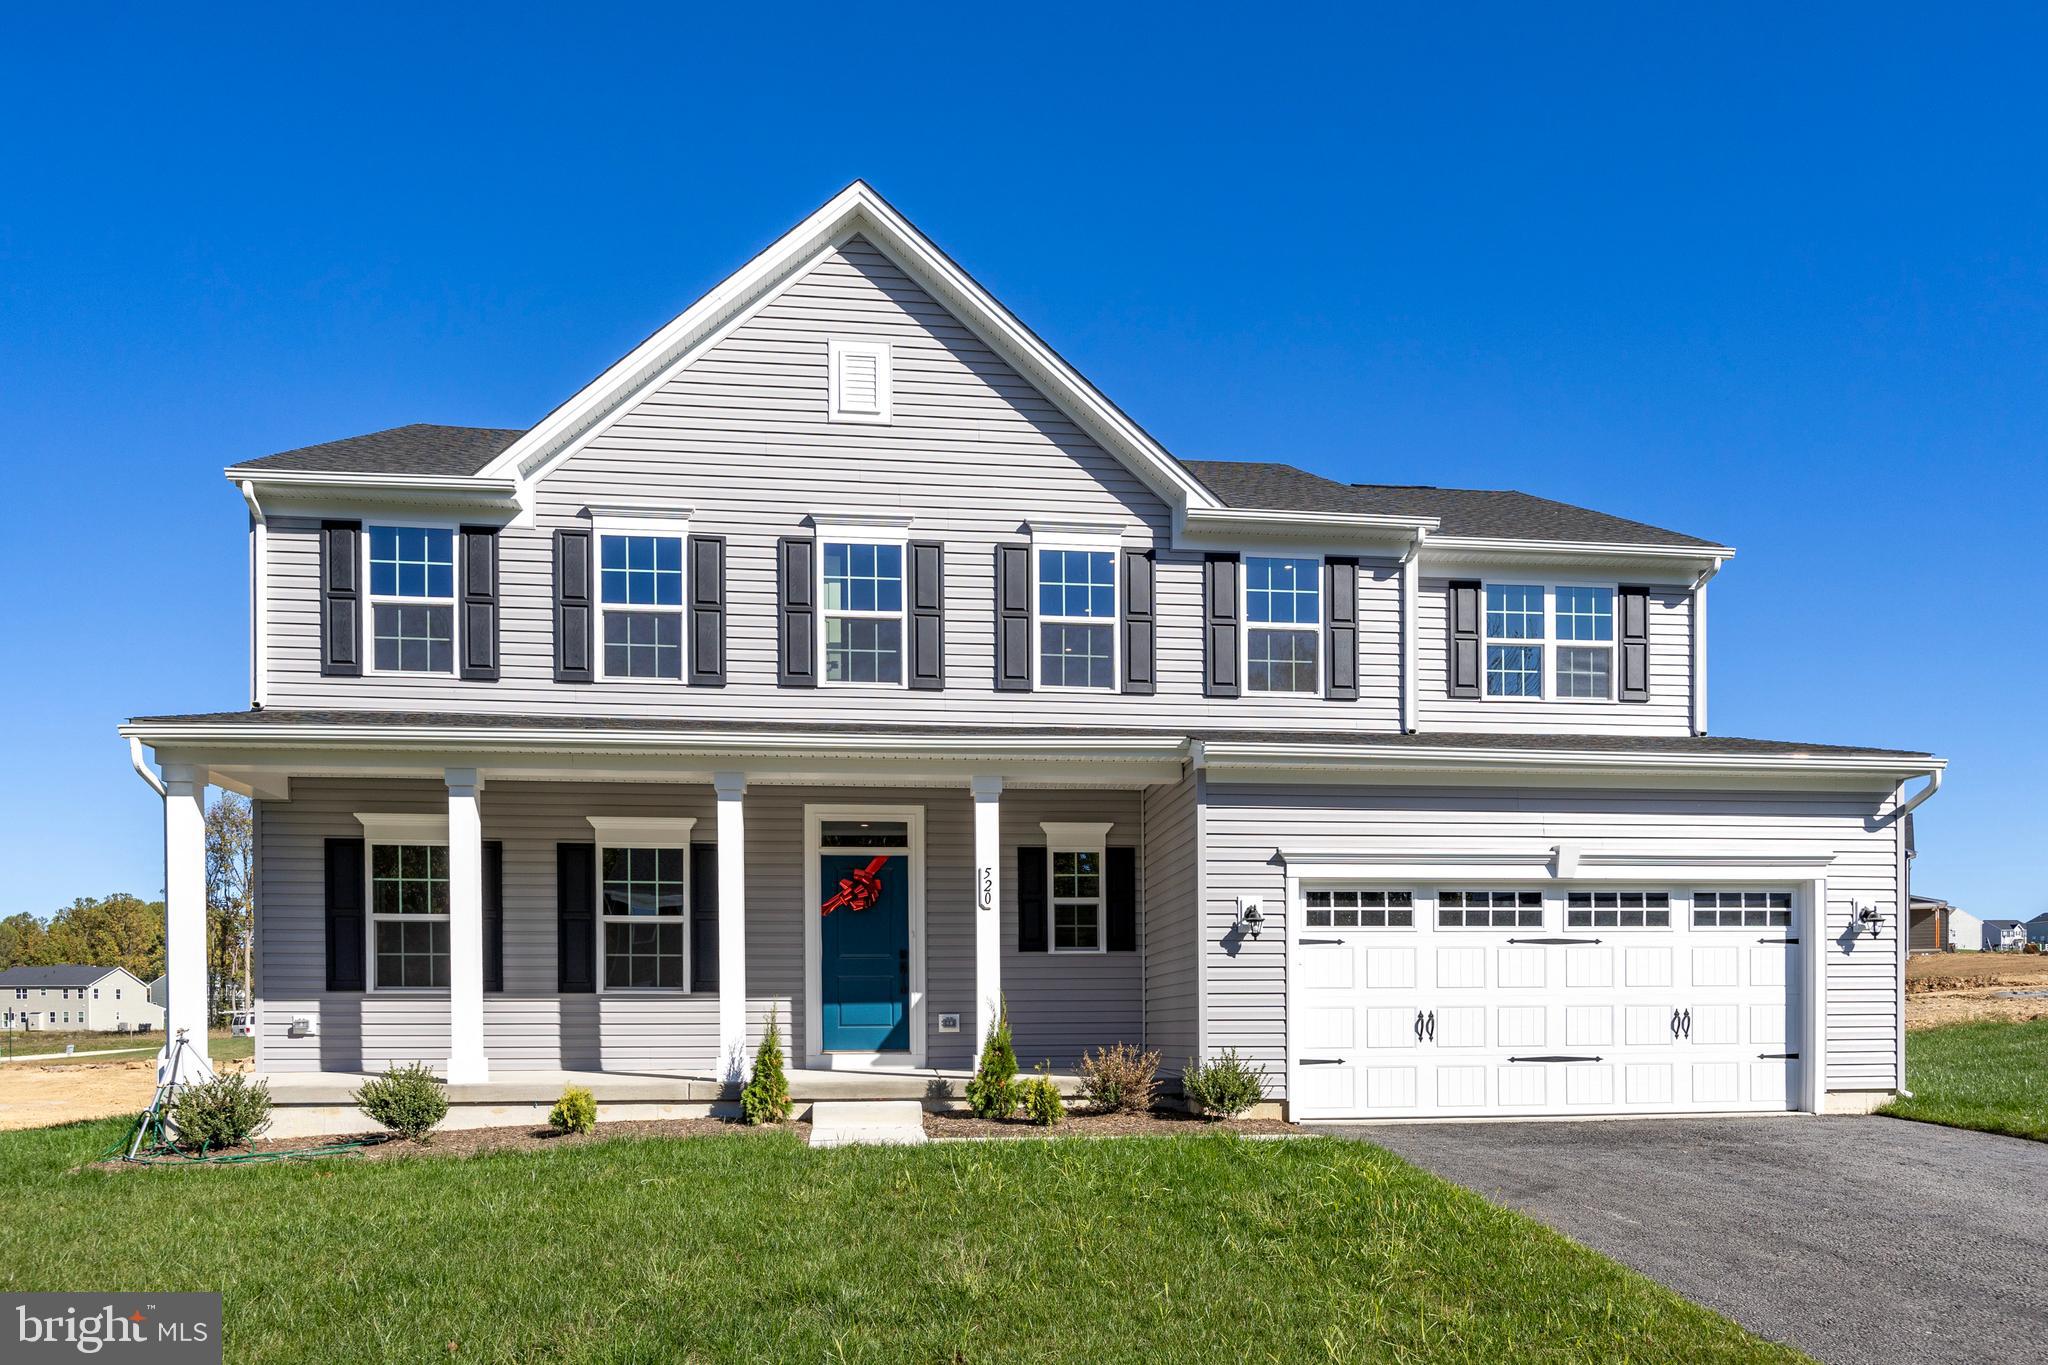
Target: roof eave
1240, 756
1255, 523
440, 490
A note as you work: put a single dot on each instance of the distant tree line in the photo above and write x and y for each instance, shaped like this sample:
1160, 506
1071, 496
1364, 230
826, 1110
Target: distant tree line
122, 930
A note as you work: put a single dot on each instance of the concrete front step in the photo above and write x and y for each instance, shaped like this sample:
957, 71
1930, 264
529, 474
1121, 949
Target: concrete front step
887, 1123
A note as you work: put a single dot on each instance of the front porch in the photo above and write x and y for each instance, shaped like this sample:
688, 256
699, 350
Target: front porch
321, 1103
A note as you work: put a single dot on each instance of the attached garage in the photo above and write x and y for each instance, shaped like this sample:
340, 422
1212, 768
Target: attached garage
1460, 999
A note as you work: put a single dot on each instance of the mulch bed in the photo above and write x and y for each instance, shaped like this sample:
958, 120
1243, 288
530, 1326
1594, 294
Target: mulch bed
1083, 1123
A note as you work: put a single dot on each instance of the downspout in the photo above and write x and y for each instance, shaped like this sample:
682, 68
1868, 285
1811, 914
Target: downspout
1699, 647
156, 784
259, 557
1411, 570
1905, 921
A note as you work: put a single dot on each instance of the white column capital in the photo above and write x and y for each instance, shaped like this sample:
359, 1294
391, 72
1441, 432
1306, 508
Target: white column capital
987, 788
183, 779
464, 781
729, 786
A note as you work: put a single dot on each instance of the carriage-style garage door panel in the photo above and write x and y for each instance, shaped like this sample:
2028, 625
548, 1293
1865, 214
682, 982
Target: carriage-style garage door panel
1466, 1000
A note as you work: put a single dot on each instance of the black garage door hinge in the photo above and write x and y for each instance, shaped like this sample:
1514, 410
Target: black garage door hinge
1779, 1056
1305, 942
1322, 1061
1777, 940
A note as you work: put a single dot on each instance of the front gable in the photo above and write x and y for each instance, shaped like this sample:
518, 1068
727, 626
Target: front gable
747, 428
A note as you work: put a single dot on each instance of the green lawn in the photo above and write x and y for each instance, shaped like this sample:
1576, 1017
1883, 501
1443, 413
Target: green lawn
1991, 1075
757, 1248
219, 1047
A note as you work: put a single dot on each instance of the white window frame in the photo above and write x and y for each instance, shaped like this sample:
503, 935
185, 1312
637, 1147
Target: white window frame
837, 349
1671, 909
1088, 538
624, 832
668, 524
1548, 642
371, 600
384, 829
879, 528
1316, 631
1062, 837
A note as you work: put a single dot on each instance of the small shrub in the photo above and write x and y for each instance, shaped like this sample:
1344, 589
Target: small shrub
992, 1092
1041, 1101
575, 1112
1119, 1079
1226, 1086
409, 1100
225, 1111
765, 1099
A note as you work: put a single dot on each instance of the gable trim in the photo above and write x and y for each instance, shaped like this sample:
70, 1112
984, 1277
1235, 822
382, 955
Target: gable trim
855, 211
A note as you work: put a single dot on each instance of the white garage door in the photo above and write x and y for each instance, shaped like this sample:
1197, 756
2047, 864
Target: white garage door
1469, 1000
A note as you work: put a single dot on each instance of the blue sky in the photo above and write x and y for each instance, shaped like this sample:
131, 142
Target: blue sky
1774, 277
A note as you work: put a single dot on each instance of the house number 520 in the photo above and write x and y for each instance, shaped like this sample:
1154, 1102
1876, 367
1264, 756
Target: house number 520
985, 895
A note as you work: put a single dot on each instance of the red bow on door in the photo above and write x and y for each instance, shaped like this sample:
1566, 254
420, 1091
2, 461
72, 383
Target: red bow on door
859, 891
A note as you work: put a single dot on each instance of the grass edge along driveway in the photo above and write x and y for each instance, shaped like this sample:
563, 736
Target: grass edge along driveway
1180, 1248
1990, 1075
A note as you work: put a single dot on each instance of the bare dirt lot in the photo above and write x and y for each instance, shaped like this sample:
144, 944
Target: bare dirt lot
1958, 988
33, 1095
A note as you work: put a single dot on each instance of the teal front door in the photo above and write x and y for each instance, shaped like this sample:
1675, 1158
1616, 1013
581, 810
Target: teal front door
864, 950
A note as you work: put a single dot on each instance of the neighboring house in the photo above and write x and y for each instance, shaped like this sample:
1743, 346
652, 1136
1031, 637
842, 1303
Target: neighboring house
2037, 930
843, 655
2004, 935
95, 999
160, 991
1965, 931
1934, 926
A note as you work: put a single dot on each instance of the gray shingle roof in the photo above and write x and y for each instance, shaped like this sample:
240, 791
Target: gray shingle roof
64, 975
421, 448
1492, 513
272, 718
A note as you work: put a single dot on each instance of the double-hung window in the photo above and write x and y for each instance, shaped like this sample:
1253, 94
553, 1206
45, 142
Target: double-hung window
1076, 857
640, 591
1076, 618
863, 611
412, 599
1544, 641
643, 892
1283, 619
409, 915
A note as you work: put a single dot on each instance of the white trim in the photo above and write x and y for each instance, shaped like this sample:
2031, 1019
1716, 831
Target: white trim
836, 351
1078, 535
814, 1024
877, 527
1549, 645
883, 529
379, 828
1411, 583
1076, 837
1698, 616
372, 600
628, 832
259, 595
1317, 629
661, 524
1508, 545
641, 521
1732, 863
1087, 543
856, 210
1226, 528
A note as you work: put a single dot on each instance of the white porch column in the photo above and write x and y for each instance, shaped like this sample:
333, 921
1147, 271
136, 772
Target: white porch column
185, 922
466, 1063
988, 915
732, 928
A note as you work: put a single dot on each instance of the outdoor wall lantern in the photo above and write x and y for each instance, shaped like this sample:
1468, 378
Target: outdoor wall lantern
1869, 919
1250, 917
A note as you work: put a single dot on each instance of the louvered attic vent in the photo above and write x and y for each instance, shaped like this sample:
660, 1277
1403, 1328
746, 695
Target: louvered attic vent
859, 381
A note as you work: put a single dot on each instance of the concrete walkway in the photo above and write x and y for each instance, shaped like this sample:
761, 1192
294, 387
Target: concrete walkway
96, 1052
1855, 1239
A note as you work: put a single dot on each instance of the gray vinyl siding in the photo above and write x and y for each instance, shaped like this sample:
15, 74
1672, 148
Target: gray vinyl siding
1667, 712
1246, 825
1057, 1008
741, 437
1172, 875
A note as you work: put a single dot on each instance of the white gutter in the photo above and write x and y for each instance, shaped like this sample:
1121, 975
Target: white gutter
1296, 755
1599, 549
259, 593
1920, 797
1699, 647
156, 784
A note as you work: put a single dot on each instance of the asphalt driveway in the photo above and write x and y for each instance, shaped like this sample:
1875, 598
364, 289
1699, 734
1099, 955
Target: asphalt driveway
1854, 1239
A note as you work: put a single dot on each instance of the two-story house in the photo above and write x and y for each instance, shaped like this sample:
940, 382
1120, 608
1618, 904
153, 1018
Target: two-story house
842, 653
78, 997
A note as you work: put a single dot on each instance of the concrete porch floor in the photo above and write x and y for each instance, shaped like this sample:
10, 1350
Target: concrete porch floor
322, 1104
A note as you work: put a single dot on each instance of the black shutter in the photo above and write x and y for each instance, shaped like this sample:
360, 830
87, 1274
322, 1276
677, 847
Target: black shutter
1221, 631
703, 917
927, 615
1120, 898
345, 914
1340, 633
341, 600
1140, 647
480, 603
707, 611
1031, 899
1632, 629
574, 612
796, 616
494, 915
1013, 618
1463, 672
576, 917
